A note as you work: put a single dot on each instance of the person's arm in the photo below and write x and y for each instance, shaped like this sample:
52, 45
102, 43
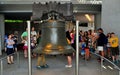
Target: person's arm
13, 42
10, 42
6, 45
23, 41
22, 35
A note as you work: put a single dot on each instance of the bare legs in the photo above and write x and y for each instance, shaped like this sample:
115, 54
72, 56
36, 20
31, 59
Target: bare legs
10, 59
25, 53
69, 59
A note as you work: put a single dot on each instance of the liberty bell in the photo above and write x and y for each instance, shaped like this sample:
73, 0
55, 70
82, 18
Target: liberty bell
53, 36
53, 39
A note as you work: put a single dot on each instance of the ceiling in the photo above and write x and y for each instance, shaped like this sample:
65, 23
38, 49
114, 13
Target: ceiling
22, 9
43, 1
26, 16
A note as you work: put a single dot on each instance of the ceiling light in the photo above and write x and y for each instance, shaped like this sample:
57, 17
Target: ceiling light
88, 17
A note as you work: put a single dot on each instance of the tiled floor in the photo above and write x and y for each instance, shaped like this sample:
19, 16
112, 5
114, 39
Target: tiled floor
57, 67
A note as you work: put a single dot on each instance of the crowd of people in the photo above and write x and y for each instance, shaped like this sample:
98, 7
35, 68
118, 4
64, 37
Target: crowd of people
11, 45
95, 41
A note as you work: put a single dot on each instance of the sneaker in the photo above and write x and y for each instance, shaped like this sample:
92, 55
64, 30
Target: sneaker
117, 61
45, 66
114, 62
68, 66
38, 67
9, 63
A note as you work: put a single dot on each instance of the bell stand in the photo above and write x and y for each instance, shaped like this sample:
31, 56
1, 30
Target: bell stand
77, 49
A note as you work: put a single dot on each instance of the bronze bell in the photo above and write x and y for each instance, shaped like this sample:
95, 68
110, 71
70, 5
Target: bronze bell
53, 39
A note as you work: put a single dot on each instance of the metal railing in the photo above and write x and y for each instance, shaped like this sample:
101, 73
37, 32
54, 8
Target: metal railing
3, 61
107, 67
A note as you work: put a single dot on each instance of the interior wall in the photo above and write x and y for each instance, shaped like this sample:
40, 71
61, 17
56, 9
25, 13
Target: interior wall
97, 20
2, 30
111, 16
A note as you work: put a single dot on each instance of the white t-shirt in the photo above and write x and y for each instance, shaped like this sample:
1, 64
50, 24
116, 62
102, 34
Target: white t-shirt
25, 44
33, 33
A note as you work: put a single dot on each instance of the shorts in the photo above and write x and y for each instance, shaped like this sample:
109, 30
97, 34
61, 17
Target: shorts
10, 51
115, 51
105, 47
100, 48
25, 47
69, 54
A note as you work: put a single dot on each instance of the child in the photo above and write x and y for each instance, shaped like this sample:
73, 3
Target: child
25, 47
114, 43
33, 44
83, 48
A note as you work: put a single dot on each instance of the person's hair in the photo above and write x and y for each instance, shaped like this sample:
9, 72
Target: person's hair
68, 35
108, 35
24, 38
90, 31
112, 33
85, 33
100, 29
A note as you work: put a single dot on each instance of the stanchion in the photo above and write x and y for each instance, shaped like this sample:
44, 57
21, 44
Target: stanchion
0, 45
101, 63
18, 59
119, 72
77, 48
1, 63
29, 50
